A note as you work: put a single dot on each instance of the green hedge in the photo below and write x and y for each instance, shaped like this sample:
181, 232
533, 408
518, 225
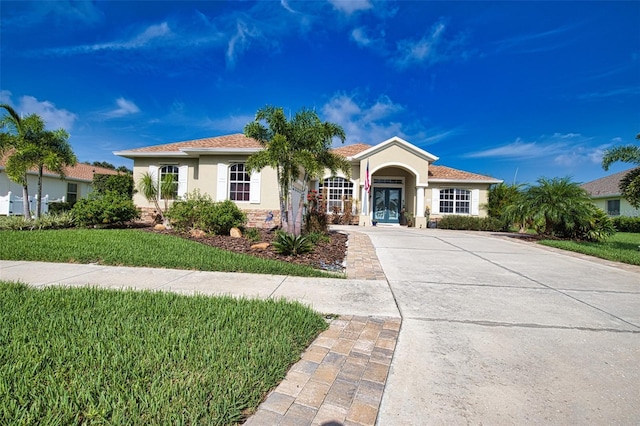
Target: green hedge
200, 212
626, 224
110, 208
468, 223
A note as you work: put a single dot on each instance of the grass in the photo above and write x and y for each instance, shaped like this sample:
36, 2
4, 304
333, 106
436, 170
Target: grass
621, 247
132, 247
92, 356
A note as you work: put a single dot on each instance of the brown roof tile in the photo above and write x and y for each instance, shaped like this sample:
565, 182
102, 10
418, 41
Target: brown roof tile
351, 150
237, 140
608, 185
444, 172
78, 172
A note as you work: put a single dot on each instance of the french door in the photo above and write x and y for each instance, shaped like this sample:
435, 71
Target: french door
386, 204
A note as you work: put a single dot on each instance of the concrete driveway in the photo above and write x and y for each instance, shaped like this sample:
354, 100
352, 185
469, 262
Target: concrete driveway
504, 332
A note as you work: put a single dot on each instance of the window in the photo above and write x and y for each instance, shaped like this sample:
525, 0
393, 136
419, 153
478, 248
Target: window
338, 190
454, 200
239, 183
169, 177
613, 207
72, 193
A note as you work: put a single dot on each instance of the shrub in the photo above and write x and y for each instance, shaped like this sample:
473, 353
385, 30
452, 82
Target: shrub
626, 224
198, 211
599, 228
290, 245
122, 184
59, 207
110, 208
469, 223
46, 221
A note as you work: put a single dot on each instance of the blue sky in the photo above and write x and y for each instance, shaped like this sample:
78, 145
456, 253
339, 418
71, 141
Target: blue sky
514, 90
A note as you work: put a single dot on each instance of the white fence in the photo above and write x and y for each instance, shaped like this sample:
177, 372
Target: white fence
12, 205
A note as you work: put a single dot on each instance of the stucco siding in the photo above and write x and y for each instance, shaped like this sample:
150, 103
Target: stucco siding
396, 155
52, 186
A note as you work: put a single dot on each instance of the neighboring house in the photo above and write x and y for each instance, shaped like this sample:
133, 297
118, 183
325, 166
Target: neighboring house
401, 175
76, 184
605, 193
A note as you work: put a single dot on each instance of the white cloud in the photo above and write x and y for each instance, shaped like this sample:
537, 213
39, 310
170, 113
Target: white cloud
53, 117
239, 42
348, 7
148, 36
125, 107
359, 35
431, 49
375, 122
562, 149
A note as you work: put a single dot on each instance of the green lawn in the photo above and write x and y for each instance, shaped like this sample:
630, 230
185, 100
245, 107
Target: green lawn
93, 356
621, 247
131, 247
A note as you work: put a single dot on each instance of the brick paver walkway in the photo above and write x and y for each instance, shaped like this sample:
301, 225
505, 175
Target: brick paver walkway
340, 378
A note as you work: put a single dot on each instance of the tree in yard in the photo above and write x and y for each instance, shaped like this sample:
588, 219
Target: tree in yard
298, 149
152, 191
560, 208
630, 183
34, 147
500, 196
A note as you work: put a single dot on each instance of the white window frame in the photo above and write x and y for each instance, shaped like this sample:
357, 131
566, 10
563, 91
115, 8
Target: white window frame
242, 178
175, 171
458, 201
340, 193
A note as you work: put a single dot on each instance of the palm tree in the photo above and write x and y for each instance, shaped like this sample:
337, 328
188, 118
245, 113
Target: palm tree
275, 138
556, 207
14, 137
501, 196
149, 188
630, 183
313, 152
54, 152
296, 148
34, 147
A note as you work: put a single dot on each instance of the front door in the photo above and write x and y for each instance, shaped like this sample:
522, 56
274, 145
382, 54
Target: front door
386, 204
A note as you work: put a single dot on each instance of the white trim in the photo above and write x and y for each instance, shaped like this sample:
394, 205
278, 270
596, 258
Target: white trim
475, 202
435, 200
396, 141
419, 202
254, 187
221, 188
465, 181
183, 172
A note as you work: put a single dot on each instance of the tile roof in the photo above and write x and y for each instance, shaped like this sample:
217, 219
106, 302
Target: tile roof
608, 185
444, 172
237, 140
78, 172
351, 150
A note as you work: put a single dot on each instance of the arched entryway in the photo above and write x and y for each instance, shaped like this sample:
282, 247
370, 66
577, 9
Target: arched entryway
392, 191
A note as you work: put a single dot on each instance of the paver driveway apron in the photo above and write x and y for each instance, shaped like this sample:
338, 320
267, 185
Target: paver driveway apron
505, 332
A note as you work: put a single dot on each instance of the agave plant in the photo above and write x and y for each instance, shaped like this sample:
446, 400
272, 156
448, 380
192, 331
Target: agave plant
291, 245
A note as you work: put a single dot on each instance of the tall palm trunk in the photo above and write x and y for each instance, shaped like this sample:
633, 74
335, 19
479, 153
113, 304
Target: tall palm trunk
25, 199
39, 192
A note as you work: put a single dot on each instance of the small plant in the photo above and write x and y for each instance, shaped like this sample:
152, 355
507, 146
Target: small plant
316, 237
315, 220
252, 234
290, 245
47, 221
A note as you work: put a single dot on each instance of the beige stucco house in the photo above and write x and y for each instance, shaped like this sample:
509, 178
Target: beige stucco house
401, 175
605, 194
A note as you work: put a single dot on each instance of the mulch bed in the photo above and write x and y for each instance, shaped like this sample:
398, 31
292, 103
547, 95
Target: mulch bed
326, 255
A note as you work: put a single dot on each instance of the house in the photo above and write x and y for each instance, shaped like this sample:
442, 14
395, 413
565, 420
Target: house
605, 193
401, 176
76, 184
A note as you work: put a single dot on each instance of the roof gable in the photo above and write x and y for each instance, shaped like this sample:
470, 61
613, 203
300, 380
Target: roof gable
396, 141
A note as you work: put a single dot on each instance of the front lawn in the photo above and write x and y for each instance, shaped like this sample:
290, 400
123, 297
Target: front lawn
621, 247
93, 356
132, 247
